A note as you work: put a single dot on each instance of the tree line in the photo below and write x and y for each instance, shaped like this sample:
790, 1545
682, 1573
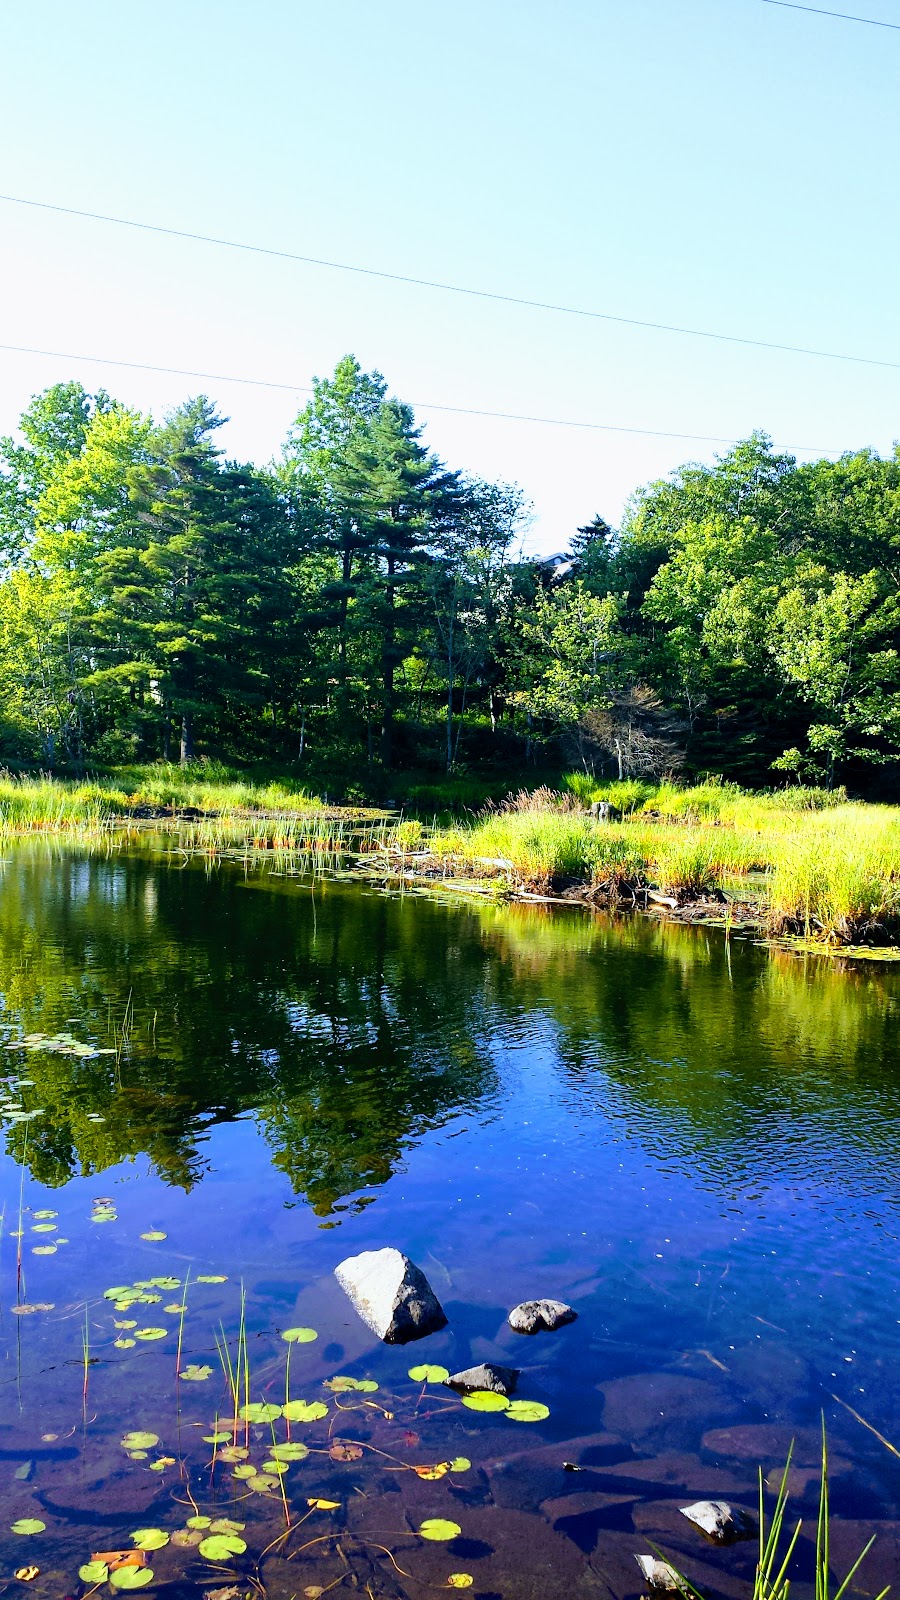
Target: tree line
357, 606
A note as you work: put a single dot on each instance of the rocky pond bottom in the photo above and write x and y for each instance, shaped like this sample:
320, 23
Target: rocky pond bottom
216, 1089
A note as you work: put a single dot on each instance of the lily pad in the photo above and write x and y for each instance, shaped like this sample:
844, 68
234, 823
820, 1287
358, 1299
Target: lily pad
460, 1580
43, 1249
234, 1452
28, 1525
342, 1384
154, 1234
43, 1227
199, 1522
128, 1323
292, 1450
244, 1469
93, 1572
131, 1577
428, 1374
124, 1344
222, 1546
194, 1374
278, 1467
175, 1309
342, 1450
226, 1525
150, 1539
44, 1216
527, 1411
262, 1482
212, 1277
439, 1529
303, 1410
259, 1411
460, 1464
138, 1439
316, 1504
485, 1400
186, 1538
151, 1333
216, 1438
165, 1283
299, 1335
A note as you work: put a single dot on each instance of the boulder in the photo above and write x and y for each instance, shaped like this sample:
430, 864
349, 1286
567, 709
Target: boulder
391, 1295
533, 1315
488, 1375
661, 1578
719, 1521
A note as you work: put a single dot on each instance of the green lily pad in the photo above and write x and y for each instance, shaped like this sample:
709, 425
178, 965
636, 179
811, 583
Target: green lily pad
342, 1384
292, 1450
275, 1466
439, 1529
150, 1539
222, 1546
216, 1438
527, 1411
28, 1525
93, 1572
199, 1522
299, 1335
128, 1323
304, 1410
43, 1249
124, 1344
212, 1277
226, 1525
131, 1577
485, 1400
43, 1216
259, 1411
138, 1439
244, 1470
43, 1227
262, 1483
175, 1309
194, 1374
137, 1455
460, 1464
428, 1374
154, 1234
151, 1333
165, 1283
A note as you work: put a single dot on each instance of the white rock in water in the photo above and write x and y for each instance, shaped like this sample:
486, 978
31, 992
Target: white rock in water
659, 1574
391, 1294
719, 1521
533, 1315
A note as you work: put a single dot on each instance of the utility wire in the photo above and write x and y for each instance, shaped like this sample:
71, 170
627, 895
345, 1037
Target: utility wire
422, 405
449, 288
841, 16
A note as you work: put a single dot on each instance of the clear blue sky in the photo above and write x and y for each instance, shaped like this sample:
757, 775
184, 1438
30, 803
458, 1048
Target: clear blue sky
721, 163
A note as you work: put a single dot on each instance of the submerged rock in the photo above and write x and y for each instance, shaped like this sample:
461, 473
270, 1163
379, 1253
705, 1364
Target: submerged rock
719, 1521
391, 1295
662, 1578
533, 1315
488, 1375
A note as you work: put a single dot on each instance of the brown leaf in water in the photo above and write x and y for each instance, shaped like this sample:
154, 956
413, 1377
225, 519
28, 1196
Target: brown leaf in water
409, 1439
28, 1308
120, 1558
340, 1451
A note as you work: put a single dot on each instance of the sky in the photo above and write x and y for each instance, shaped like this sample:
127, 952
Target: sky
727, 165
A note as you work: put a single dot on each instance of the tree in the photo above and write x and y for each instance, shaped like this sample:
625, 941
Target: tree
571, 661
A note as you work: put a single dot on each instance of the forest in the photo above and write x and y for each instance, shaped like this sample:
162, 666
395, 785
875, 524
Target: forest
359, 609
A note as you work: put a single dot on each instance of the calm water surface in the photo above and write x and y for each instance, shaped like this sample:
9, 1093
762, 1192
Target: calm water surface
695, 1144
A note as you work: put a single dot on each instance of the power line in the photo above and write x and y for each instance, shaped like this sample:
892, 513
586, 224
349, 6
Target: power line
422, 405
841, 16
452, 288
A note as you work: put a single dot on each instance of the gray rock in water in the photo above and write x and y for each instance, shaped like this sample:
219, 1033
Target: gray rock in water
662, 1578
391, 1294
720, 1521
532, 1315
500, 1380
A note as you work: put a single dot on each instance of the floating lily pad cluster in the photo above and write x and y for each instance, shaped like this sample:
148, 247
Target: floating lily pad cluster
58, 1044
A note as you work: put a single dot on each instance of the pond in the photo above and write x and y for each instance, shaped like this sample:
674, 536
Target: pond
232, 1081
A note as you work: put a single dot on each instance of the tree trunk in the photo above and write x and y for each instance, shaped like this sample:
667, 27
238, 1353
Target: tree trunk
450, 676
387, 668
187, 737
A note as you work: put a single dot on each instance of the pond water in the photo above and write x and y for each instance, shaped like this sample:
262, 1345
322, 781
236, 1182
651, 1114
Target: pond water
235, 1081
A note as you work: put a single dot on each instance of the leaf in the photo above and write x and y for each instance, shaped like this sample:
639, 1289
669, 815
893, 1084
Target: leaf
304, 1410
199, 1522
259, 1411
226, 1525
43, 1216
165, 1283
432, 1474
244, 1469
216, 1438
124, 1344
44, 1227
341, 1451
150, 1539
138, 1440
29, 1309
128, 1323
93, 1572
299, 1335
234, 1452
131, 1577
460, 1464
460, 1580
278, 1467
195, 1374
324, 1505
174, 1309
137, 1455
187, 1538
222, 1546
28, 1525
527, 1411
154, 1233
212, 1277
151, 1333
428, 1374
43, 1249
293, 1450
261, 1483
343, 1385
485, 1400
439, 1529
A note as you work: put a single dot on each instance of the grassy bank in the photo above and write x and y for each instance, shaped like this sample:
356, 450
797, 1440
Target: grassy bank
814, 864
